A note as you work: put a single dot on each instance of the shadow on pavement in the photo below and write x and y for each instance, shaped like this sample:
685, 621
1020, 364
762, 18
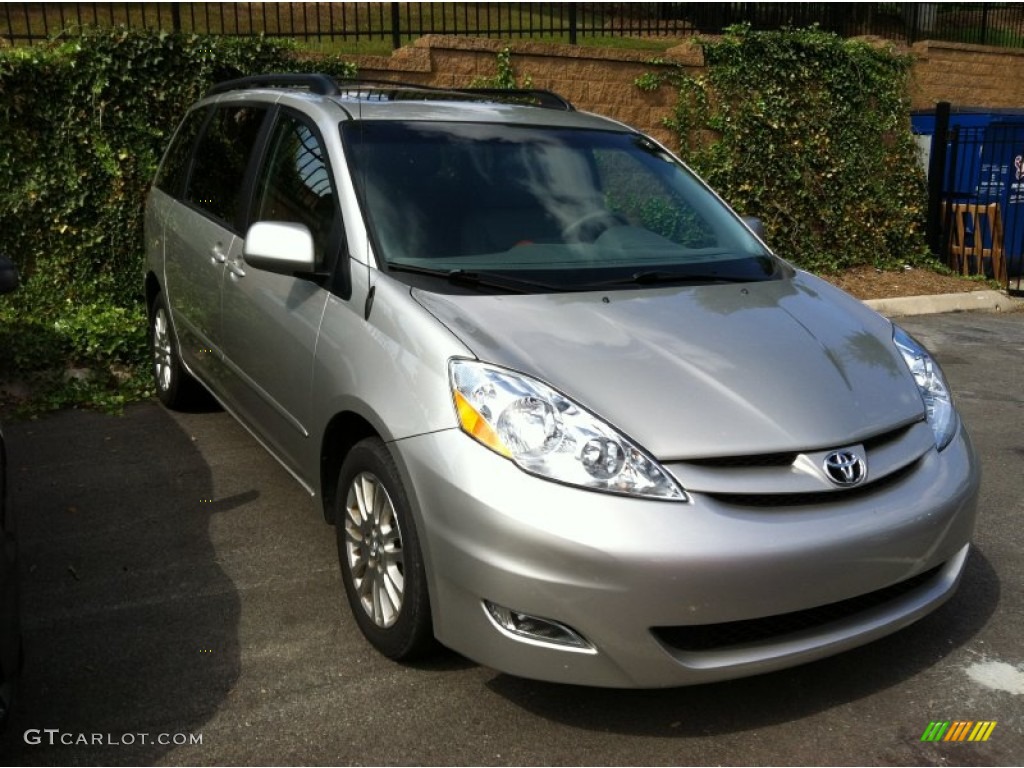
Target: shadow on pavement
123, 601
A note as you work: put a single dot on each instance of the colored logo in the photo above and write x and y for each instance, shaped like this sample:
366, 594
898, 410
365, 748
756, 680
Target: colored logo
959, 730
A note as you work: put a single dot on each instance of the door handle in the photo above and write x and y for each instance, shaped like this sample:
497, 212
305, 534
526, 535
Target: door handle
217, 254
235, 268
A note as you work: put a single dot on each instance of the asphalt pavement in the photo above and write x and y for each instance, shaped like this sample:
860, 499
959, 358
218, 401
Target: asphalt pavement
182, 606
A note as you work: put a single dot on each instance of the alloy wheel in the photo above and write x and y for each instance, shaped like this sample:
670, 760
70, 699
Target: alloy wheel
162, 362
373, 548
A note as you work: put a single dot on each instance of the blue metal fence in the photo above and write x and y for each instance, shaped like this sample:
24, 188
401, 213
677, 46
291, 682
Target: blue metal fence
977, 175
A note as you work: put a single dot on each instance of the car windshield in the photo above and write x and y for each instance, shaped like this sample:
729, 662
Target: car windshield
545, 208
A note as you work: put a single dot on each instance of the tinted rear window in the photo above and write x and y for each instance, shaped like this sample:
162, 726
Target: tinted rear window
174, 169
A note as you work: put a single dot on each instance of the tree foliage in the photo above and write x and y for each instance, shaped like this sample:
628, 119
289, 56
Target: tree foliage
84, 121
811, 133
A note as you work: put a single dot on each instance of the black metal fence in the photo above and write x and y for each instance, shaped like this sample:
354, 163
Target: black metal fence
999, 24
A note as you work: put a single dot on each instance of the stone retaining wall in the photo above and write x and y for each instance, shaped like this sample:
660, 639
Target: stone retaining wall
967, 75
593, 79
602, 79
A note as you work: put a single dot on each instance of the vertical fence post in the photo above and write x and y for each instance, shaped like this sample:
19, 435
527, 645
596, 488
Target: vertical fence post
396, 32
572, 23
984, 24
936, 176
953, 175
836, 16
176, 17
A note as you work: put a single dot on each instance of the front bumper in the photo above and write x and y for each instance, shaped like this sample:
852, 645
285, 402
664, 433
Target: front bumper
615, 569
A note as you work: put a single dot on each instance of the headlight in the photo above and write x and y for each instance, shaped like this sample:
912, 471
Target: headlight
938, 401
547, 434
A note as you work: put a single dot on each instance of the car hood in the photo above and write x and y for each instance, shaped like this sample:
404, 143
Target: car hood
700, 371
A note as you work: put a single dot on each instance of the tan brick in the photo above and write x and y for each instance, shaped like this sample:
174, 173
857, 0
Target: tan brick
622, 91
602, 80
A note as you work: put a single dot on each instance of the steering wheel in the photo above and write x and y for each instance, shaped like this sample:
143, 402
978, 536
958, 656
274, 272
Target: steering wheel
588, 227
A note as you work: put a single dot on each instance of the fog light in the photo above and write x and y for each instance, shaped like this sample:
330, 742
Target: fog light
522, 626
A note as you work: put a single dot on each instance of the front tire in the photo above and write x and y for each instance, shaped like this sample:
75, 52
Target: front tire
378, 550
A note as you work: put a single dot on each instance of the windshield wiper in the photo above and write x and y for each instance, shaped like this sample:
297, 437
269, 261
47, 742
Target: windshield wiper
477, 279
652, 277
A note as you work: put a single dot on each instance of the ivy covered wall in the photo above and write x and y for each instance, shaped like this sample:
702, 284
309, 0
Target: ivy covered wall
84, 121
811, 133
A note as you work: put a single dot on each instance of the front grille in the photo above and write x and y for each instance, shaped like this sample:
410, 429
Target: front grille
711, 637
786, 458
759, 460
816, 498
879, 441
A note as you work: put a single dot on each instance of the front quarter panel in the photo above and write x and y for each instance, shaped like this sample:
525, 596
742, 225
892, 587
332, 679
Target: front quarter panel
389, 365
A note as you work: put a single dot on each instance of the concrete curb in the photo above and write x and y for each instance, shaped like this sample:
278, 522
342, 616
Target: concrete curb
988, 301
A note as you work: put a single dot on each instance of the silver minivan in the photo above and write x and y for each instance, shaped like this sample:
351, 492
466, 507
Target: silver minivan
568, 414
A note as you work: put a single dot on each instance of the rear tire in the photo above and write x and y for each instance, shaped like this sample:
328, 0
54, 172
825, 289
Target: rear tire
378, 550
175, 386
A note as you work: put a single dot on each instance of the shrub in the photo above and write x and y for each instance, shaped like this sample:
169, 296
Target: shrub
84, 121
811, 133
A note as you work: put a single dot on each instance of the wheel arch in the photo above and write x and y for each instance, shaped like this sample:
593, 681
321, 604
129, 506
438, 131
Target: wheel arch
343, 431
152, 289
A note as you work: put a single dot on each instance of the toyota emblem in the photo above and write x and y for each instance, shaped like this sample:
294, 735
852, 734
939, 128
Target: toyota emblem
845, 468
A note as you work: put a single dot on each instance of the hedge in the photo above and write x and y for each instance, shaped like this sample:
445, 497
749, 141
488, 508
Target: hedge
84, 121
811, 133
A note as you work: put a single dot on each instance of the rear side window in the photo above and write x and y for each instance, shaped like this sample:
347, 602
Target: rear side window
174, 169
216, 183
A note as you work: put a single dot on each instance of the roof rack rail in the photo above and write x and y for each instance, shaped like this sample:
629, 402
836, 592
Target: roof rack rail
372, 81
322, 85
536, 96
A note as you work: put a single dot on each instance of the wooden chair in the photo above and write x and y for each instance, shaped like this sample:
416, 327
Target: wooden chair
971, 222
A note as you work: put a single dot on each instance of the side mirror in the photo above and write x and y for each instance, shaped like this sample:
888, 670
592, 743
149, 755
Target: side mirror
755, 224
278, 246
8, 275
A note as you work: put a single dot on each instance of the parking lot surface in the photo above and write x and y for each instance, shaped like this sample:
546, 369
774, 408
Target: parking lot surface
182, 605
